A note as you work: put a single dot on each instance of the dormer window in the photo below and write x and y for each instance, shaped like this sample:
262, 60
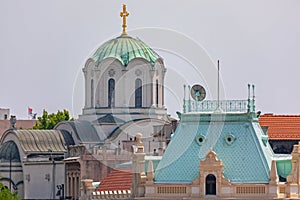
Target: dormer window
200, 139
229, 139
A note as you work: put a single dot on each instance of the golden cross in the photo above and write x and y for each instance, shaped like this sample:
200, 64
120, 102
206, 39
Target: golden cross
124, 14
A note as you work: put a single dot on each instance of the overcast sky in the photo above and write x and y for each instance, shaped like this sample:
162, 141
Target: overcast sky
44, 45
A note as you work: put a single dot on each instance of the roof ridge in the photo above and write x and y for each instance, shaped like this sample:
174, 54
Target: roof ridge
279, 115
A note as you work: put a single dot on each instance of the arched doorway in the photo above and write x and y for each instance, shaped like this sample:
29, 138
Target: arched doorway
210, 184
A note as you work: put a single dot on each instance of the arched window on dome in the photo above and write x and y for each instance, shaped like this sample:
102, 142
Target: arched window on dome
111, 93
92, 93
156, 92
98, 90
138, 93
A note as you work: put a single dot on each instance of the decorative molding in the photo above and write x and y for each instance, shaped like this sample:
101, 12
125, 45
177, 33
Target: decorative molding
211, 165
138, 72
111, 73
211, 160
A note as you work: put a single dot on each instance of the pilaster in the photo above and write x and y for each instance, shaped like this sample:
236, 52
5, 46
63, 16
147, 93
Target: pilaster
293, 177
86, 189
138, 168
273, 184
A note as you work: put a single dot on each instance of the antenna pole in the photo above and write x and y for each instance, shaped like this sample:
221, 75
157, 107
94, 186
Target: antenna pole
218, 86
189, 103
253, 98
184, 105
248, 107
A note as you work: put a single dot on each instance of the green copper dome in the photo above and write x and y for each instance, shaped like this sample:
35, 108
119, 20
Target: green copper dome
125, 48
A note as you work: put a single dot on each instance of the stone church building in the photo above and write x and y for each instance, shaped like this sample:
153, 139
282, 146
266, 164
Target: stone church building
218, 150
124, 95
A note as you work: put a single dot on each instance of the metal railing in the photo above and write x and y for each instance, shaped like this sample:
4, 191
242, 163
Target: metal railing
243, 106
213, 105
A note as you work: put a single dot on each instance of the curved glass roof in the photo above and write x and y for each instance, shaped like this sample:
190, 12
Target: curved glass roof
9, 151
125, 48
32, 141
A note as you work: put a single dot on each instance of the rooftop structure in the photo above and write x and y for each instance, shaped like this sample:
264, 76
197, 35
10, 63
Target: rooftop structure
4, 113
220, 150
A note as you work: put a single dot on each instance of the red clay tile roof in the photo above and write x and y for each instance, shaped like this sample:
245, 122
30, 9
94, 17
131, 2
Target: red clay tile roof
117, 180
281, 127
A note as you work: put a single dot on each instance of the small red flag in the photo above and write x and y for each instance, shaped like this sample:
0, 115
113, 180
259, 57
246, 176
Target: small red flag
29, 111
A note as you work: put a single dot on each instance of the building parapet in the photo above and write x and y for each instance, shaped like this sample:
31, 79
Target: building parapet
194, 105
214, 105
116, 194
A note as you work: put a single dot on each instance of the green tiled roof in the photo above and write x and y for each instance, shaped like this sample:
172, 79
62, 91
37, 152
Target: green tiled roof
245, 159
125, 48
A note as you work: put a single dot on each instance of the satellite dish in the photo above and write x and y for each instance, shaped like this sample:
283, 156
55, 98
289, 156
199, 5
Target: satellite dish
198, 92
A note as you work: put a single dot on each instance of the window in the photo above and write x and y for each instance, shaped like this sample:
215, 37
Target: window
229, 139
200, 139
97, 97
111, 93
210, 184
92, 93
138, 93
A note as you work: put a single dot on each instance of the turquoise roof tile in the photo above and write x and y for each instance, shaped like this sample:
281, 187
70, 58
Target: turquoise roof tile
246, 159
125, 48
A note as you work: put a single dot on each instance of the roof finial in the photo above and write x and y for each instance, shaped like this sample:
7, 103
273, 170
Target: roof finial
124, 14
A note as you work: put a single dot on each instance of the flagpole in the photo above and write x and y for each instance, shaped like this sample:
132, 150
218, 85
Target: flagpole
218, 86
